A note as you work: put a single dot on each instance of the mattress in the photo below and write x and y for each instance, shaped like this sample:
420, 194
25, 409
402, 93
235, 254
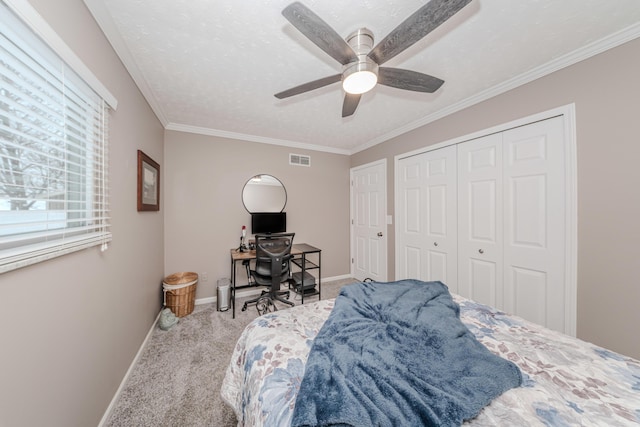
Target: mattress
566, 381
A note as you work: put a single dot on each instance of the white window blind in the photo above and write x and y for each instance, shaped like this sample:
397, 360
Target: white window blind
53, 153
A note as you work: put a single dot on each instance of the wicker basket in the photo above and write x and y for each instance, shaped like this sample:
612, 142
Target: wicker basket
180, 292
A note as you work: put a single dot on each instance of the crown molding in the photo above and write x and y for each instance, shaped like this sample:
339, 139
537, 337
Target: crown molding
100, 13
623, 36
253, 138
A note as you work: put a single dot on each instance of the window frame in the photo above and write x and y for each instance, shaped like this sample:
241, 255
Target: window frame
89, 144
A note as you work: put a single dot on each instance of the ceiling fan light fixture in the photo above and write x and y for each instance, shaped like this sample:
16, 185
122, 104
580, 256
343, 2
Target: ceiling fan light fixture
360, 77
360, 82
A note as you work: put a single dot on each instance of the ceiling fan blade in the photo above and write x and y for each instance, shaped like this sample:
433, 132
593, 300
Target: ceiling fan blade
316, 84
319, 32
350, 104
408, 80
415, 27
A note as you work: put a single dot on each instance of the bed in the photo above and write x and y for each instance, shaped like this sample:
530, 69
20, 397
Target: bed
563, 381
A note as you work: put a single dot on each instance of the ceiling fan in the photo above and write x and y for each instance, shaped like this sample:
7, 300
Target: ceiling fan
361, 62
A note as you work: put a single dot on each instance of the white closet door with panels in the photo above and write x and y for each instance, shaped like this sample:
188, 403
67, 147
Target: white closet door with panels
428, 241
410, 179
534, 226
488, 217
480, 220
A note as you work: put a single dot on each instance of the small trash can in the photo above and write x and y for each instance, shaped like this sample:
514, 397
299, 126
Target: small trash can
224, 294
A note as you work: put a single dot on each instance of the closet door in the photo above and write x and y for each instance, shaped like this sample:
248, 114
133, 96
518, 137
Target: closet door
512, 216
534, 223
409, 218
427, 232
480, 248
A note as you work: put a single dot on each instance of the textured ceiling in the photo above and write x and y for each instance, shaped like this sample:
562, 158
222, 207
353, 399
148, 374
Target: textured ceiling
213, 66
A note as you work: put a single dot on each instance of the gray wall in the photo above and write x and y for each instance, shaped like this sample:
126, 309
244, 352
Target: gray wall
605, 91
72, 325
204, 177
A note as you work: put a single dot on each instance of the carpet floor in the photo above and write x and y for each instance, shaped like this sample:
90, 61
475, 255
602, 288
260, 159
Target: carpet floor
177, 379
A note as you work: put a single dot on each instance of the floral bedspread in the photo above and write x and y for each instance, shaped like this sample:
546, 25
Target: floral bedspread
568, 382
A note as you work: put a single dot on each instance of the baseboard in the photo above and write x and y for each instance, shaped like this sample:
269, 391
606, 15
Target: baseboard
342, 277
107, 413
207, 300
252, 292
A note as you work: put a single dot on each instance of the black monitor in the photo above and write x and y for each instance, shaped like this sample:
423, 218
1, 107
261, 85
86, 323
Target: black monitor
268, 222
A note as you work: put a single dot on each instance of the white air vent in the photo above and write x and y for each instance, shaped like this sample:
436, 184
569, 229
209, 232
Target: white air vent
299, 160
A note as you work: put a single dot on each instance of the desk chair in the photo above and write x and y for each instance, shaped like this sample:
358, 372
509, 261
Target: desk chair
273, 253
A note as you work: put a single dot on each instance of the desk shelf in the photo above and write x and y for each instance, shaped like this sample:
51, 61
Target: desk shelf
308, 265
304, 265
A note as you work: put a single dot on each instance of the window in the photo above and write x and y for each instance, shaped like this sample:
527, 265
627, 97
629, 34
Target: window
53, 153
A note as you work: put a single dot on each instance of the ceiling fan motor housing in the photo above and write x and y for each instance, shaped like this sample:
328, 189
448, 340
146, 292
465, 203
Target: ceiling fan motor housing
361, 41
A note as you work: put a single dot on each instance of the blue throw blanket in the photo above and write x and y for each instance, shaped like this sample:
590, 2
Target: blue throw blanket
397, 354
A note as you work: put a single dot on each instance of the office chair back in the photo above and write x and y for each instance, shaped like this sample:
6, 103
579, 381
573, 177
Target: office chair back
273, 252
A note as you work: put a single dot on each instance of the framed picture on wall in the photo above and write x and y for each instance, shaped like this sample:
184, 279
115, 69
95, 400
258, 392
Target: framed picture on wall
148, 183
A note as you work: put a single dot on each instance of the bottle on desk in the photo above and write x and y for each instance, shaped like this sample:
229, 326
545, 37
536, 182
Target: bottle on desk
243, 237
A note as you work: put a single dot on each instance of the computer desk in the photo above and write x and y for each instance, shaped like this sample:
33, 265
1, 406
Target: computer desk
300, 252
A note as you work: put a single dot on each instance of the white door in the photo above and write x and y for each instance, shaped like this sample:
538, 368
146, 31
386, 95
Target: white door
426, 229
512, 222
410, 177
480, 219
515, 220
369, 222
534, 223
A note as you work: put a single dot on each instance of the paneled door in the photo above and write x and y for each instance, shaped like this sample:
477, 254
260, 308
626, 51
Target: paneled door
480, 219
511, 219
492, 217
534, 223
426, 226
369, 222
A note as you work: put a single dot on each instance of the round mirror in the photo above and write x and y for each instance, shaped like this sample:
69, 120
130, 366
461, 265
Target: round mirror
264, 193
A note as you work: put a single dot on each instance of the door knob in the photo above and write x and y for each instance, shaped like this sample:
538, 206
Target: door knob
380, 234
435, 243
481, 251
